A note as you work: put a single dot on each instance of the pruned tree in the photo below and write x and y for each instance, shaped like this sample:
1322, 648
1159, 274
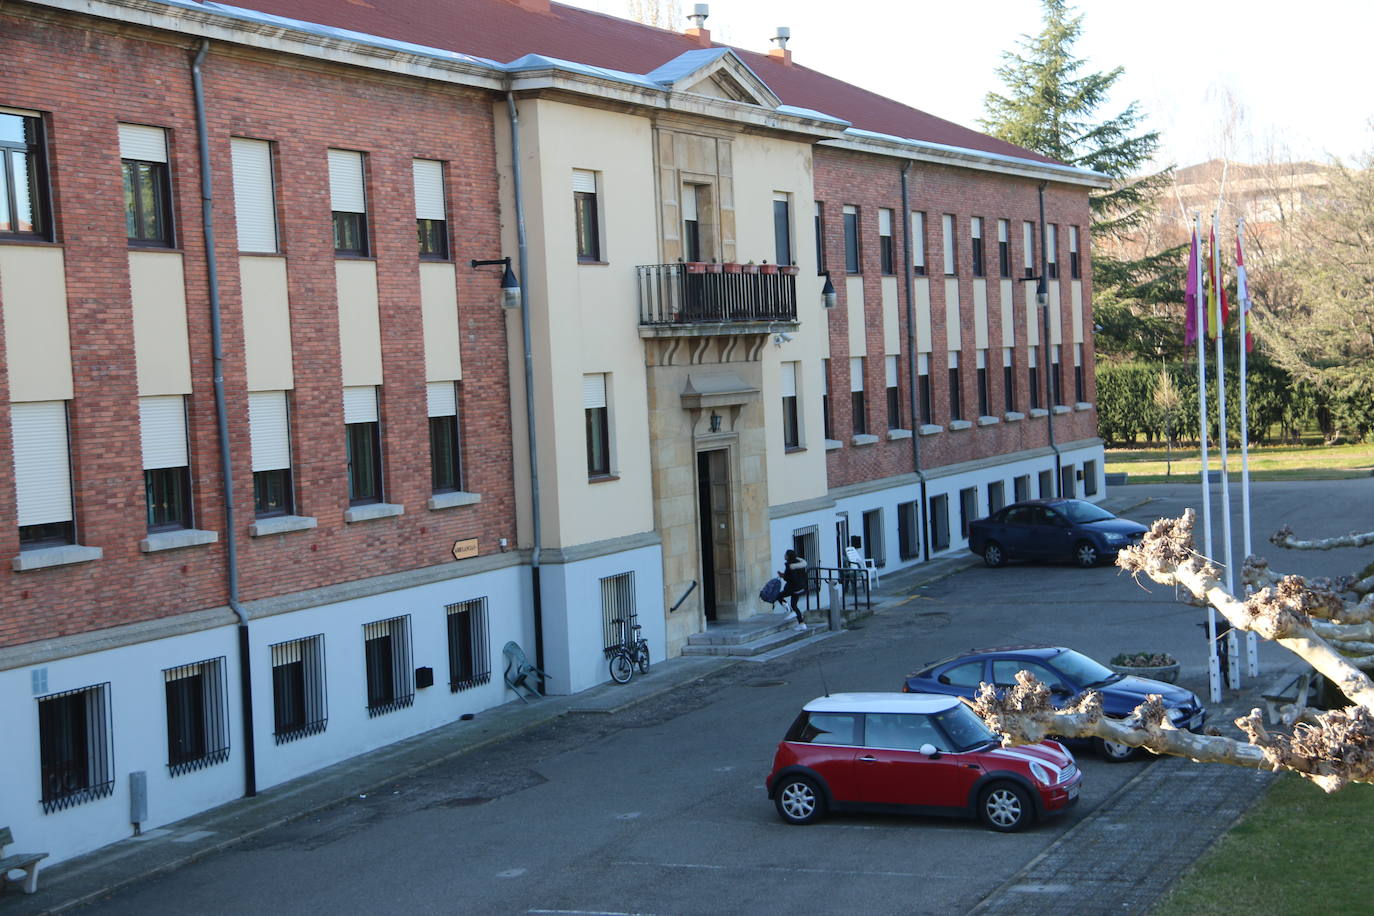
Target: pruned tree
1329, 624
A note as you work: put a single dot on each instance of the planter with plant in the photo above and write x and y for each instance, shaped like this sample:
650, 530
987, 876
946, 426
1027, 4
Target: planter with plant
1161, 666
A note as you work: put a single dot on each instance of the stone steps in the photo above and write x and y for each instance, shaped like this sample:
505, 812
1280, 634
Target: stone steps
754, 636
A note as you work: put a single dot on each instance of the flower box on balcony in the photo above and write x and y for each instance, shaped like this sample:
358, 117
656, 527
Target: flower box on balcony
749, 268
732, 268
790, 270
696, 267
714, 267
766, 268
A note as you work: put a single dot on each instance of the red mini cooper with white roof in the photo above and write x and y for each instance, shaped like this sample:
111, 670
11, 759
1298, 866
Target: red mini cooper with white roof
917, 753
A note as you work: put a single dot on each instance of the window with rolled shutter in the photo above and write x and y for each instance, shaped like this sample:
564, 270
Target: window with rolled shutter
166, 465
430, 217
445, 454
254, 201
42, 471
348, 201
270, 433
597, 423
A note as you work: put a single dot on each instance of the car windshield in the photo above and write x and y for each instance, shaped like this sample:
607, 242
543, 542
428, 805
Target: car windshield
1082, 670
1080, 512
965, 730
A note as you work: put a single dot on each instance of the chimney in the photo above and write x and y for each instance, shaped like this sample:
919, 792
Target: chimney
697, 31
779, 50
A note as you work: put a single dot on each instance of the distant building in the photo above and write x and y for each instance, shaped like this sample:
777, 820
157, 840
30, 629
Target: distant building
404, 502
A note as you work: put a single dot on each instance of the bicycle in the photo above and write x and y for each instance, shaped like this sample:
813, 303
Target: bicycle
632, 652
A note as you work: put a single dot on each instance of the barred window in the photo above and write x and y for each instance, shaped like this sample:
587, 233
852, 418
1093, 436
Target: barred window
386, 652
469, 658
74, 740
617, 603
197, 716
298, 698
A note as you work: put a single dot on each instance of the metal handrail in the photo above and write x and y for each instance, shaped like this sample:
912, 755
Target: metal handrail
692, 294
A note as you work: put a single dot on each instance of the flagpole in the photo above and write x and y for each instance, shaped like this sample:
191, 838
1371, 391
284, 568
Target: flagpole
1213, 663
1243, 294
1218, 291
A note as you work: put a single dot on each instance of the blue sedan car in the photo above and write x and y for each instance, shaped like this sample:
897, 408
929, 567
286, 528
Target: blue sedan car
1052, 529
1067, 673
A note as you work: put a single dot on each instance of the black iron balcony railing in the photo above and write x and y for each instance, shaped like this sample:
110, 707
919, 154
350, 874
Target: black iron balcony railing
678, 294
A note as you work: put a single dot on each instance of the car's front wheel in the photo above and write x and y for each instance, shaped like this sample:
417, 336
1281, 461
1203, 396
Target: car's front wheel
1112, 752
1086, 554
993, 555
1005, 807
798, 800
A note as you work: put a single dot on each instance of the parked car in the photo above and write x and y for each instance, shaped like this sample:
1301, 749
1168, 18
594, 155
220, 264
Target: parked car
1067, 673
917, 753
1051, 529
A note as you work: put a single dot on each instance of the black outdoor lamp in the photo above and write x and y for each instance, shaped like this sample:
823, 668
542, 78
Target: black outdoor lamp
510, 287
828, 294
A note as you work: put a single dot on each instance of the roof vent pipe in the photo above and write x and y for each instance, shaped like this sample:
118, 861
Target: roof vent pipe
779, 50
698, 29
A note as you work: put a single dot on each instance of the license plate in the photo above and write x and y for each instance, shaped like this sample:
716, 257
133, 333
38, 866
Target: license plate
1073, 792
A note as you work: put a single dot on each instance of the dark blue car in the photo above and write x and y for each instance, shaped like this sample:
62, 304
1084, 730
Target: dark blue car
1052, 529
1067, 673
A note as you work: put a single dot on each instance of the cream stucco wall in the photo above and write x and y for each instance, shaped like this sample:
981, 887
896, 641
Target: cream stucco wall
360, 331
439, 311
1008, 305
37, 347
266, 324
161, 347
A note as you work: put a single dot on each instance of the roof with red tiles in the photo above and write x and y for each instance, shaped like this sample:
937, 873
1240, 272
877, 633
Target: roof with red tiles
502, 31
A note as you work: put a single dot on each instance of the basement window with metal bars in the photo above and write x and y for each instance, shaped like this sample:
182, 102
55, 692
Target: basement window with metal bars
386, 652
298, 698
75, 735
197, 716
617, 603
469, 658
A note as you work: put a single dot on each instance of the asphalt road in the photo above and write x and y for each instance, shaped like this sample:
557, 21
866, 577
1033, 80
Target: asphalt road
662, 810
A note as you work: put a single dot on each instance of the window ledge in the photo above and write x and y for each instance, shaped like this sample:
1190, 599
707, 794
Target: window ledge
62, 555
1039, 412
832, 444
454, 499
989, 421
793, 449
280, 524
956, 425
893, 434
373, 510
1013, 415
603, 478
1061, 409
589, 263
864, 439
1082, 405
930, 429
174, 540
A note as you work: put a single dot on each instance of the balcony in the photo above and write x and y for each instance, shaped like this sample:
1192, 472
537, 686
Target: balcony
690, 298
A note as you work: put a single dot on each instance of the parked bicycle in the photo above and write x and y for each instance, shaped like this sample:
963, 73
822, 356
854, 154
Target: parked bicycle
633, 652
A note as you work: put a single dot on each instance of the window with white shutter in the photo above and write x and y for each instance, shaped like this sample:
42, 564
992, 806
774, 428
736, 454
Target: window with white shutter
147, 185
894, 398
42, 474
431, 219
363, 433
348, 201
594, 407
255, 207
587, 214
856, 395
270, 431
166, 465
445, 453
791, 425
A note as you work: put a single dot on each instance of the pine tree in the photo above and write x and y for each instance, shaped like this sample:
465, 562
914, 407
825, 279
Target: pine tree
1051, 107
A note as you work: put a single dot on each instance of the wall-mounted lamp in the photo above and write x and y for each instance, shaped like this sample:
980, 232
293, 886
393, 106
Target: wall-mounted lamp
781, 338
828, 294
715, 422
510, 287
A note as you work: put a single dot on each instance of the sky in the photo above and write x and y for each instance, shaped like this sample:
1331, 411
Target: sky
1291, 77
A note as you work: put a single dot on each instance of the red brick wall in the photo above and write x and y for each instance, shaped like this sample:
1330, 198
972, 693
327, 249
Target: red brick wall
304, 108
873, 182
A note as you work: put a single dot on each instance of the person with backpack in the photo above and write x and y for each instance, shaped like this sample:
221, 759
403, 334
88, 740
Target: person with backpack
793, 574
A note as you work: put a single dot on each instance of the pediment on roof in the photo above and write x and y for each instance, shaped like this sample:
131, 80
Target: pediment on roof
717, 72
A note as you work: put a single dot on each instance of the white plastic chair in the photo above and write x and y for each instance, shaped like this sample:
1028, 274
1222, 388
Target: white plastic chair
859, 561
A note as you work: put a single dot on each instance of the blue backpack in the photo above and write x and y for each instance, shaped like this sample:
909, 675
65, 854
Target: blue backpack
772, 591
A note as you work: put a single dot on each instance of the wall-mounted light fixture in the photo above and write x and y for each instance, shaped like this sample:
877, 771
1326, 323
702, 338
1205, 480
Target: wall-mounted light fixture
828, 294
510, 287
715, 422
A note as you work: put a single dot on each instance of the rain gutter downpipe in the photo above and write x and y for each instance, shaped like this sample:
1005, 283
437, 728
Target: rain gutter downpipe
911, 359
536, 521
231, 572
1042, 298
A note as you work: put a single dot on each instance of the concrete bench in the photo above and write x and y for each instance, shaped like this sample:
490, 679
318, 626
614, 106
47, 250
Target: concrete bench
1288, 689
27, 862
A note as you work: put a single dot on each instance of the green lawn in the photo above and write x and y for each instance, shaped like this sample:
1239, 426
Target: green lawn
1298, 851
1271, 462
